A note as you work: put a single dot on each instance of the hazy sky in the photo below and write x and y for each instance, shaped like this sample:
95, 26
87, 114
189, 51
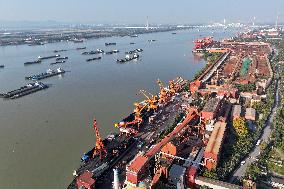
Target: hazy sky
131, 11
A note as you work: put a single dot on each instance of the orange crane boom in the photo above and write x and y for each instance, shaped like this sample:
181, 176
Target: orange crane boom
100, 147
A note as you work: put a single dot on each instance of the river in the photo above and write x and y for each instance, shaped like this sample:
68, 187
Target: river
43, 135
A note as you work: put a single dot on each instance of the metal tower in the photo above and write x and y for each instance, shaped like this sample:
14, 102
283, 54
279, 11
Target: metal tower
147, 23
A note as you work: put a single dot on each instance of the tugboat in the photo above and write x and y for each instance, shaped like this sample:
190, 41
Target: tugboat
48, 73
115, 51
2, 66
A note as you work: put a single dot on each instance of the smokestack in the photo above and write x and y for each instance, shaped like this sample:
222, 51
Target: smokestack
115, 179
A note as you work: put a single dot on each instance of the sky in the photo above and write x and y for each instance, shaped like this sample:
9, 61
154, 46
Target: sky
135, 12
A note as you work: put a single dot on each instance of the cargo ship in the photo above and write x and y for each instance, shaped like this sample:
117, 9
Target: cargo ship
33, 62
48, 73
48, 57
91, 59
25, 90
94, 164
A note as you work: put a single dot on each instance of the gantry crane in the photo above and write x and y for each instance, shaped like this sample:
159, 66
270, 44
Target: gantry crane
137, 116
163, 93
100, 147
152, 101
172, 87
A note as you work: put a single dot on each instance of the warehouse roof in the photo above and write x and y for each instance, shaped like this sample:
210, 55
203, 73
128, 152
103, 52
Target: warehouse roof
211, 105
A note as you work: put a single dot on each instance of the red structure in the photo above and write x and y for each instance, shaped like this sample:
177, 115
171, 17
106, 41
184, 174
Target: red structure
194, 86
85, 180
213, 148
136, 169
203, 43
100, 147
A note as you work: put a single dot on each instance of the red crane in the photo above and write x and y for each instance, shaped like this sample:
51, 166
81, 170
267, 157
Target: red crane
100, 147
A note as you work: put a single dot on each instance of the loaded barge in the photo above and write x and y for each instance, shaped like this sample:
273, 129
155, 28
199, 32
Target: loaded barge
91, 59
112, 52
62, 58
98, 51
134, 51
128, 57
58, 62
80, 48
33, 62
48, 73
25, 90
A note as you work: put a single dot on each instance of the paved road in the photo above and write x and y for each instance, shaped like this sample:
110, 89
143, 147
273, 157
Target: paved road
240, 172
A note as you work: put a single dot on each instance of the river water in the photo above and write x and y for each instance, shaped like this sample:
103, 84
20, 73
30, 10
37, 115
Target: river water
43, 135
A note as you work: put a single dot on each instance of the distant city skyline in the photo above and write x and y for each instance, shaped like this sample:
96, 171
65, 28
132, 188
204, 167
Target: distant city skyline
131, 12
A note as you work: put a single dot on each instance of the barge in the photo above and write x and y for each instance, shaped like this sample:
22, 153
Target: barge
58, 62
128, 57
98, 51
33, 62
48, 57
61, 50
25, 90
48, 73
80, 48
91, 59
107, 44
134, 51
62, 58
112, 51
